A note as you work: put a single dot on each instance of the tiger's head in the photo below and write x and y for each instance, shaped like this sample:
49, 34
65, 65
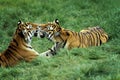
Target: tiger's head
51, 29
39, 32
27, 31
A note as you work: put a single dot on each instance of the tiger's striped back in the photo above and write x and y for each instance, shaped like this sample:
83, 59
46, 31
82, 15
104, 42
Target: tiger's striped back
94, 36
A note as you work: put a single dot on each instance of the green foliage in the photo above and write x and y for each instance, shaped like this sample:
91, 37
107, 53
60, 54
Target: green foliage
93, 63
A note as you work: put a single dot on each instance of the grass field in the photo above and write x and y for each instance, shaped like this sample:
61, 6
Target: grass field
93, 63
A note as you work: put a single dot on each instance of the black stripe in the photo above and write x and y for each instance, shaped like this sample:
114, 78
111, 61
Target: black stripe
1, 60
21, 34
14, 40
4, 60
13, 48
11, 54
53, 52
30, 32
61, 38
64, 43
85, 40
28, 46
90, 38
79, 38
51, 35
73, 33
8, 58
96, 33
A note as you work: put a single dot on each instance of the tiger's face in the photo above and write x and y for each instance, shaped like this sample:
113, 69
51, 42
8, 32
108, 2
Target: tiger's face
51, 29
26, 31
38, 31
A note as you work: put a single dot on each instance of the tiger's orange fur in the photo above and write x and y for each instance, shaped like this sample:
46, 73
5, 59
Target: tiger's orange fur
19, 48
64, 38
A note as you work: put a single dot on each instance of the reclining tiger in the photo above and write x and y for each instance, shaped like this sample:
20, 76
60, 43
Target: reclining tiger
64, 38
20, 46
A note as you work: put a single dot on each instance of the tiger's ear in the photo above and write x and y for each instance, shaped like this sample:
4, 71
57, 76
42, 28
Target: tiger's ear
19, 22
56, 21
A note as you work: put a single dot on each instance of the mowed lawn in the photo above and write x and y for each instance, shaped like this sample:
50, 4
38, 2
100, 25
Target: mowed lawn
93, 63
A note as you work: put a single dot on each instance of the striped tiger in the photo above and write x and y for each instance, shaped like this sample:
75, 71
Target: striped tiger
63, 38
20, 46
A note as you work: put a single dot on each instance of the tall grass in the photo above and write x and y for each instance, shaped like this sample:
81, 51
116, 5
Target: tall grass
94, 63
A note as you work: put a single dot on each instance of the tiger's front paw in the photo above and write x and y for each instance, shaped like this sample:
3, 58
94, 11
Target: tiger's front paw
46, 54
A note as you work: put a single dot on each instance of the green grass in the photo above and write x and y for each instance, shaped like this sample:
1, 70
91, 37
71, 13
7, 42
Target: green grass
93, 63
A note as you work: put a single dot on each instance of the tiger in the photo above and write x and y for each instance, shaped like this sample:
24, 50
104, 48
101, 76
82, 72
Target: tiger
19, 48
64, 38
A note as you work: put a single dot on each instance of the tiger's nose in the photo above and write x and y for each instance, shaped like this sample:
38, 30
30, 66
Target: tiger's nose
42, 36
35, 34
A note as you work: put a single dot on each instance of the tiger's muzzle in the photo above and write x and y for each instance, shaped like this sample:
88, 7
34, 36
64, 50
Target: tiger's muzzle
39, 34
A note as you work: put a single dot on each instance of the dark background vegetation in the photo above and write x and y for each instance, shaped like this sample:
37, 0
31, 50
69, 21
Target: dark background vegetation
94, 63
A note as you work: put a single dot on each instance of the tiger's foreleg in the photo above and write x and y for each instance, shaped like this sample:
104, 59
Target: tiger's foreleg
52, 51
